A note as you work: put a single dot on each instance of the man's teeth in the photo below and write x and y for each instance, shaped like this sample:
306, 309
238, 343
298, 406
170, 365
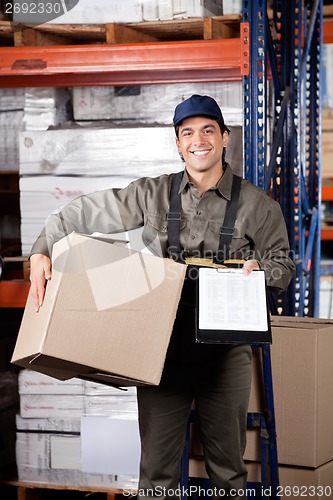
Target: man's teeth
200, 153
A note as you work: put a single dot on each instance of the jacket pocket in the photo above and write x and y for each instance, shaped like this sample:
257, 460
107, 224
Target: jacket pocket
155, 233
240, 247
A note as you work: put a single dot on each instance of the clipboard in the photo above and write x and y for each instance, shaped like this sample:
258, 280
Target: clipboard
232, 307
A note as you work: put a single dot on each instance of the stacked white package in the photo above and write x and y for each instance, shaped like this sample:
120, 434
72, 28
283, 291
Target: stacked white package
11, 99
153, 104
42, 396
11, 123
98, 150
327, 75
31, 382
56, 459
76, 406
42, 195
49, 428
204, 8
127, 11
96, 389
46, 107
80, 12
232, 7
178, 9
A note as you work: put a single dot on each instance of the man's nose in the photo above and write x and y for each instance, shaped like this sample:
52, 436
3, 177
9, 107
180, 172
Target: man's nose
198, 137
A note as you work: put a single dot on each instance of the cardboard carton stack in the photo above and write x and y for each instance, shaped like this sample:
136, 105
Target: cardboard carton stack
49, 439
302, 378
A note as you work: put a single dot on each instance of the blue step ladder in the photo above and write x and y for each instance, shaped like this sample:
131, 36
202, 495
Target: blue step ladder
264, 422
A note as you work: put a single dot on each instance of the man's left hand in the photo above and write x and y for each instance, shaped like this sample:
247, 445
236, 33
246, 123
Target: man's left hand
249, 266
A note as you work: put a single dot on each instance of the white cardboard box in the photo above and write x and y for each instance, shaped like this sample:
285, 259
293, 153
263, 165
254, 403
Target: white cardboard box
31, 382
55, 459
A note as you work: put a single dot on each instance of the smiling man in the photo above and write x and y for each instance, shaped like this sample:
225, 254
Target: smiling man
201, 140
182, 216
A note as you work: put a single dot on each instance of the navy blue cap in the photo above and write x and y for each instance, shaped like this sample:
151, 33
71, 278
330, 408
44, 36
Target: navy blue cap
198, 105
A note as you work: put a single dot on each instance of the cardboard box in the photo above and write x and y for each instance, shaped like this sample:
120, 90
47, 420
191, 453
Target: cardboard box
302, 370
302, 373
107, 316
294, 482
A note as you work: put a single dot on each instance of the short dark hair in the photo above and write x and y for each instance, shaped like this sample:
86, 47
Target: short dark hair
222, 126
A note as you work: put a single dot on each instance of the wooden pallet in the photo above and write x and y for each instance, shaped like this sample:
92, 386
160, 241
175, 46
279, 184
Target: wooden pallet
208, 28
40, 491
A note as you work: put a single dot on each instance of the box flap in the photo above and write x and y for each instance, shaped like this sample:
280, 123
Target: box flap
300, 322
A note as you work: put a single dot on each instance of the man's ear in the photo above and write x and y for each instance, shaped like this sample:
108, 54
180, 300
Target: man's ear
225, 138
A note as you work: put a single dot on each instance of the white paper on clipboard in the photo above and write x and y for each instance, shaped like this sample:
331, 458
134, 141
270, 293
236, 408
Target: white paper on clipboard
230, 300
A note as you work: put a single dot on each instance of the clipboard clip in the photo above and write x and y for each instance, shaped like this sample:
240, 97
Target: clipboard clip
226, 270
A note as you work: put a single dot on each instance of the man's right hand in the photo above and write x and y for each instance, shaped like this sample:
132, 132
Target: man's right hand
40, 273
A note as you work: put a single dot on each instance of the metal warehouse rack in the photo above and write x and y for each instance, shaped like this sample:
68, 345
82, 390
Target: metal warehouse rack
278, 59
291, 172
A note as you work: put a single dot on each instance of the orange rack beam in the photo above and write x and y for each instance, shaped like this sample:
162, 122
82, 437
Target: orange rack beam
126, 64
327, 193
14, 293
327, 31
326, 234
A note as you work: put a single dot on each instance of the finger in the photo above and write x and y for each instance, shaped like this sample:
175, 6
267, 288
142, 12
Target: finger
36, 297
246, 268
47, 272
38, 291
